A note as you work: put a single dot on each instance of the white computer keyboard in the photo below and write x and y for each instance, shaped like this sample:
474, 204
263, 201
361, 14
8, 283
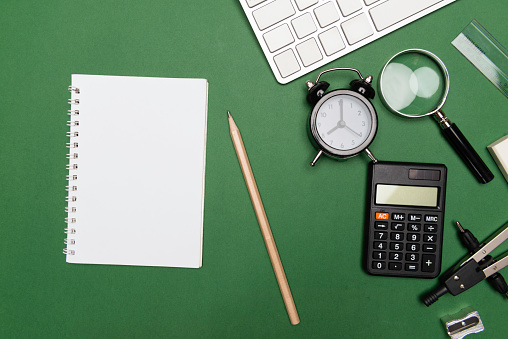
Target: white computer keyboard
298, 36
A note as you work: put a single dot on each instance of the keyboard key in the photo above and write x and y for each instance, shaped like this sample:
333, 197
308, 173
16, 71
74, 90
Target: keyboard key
326, 14
396, 246
415, 217
398, 216
303, 4
413, 247
357, 28
272, 13
309, 52
413, 237
348, 7
278, 37
252, 3
287, 63
397, 236
414, 227
381, 225
381, 235
430, 228
411, 267
429, 247
395, 266
378, 265
397, 226
428, 263
429, 238
303, 25
395, 256
412, 256
431, 218
392, 11
331, 41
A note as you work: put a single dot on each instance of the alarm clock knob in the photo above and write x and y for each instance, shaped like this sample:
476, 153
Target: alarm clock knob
364, 87
316, 91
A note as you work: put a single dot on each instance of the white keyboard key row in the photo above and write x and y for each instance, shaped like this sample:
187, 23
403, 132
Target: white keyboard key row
390, 12
273, 13
299, 36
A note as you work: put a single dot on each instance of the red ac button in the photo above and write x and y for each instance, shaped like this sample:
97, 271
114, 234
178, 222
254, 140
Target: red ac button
382, 215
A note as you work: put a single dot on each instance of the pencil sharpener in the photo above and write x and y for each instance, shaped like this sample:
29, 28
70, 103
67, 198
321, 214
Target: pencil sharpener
466, 321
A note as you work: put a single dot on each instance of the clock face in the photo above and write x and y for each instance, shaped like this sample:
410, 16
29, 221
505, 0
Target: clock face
344, 123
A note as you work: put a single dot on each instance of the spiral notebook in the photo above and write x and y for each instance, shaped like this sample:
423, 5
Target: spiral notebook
136, 171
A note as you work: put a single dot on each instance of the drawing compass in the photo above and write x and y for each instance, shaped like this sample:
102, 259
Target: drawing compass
479, 266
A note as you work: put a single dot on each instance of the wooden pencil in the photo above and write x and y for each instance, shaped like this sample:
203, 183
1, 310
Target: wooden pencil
263, 221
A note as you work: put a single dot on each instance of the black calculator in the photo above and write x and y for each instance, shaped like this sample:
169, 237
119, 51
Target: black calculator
404, 221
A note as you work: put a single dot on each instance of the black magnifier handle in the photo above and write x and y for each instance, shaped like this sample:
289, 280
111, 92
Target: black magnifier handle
464, 149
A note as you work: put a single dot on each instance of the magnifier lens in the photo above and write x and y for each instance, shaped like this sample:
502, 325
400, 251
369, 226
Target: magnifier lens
413, 83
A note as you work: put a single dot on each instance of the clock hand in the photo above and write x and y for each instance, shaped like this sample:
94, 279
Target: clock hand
340, 124
334, 129
341, 105
349, 128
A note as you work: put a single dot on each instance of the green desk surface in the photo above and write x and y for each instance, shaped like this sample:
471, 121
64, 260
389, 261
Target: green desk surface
316, 214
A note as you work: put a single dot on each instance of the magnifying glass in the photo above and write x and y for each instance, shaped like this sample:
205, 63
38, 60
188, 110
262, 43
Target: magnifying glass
414, 83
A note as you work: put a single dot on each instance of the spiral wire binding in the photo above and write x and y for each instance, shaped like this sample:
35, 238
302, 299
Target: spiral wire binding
72, 187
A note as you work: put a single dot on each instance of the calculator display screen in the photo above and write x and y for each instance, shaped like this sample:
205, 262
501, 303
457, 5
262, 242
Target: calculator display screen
406, 195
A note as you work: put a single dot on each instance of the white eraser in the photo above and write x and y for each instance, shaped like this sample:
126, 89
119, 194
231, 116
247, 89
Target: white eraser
499, 151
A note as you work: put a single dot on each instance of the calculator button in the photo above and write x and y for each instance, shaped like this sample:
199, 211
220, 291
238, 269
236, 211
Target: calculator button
431, 218
415, 217
428, 263
378, 265
397, 226
381, 225
395, 256
430, 228
429, 248
413, 237
411, 267
398, 216
412, 257
396, 246
413, 247
429, 238
380, 235
397, 236
395, 266
414, 227
380, 245
382, 215
379, 255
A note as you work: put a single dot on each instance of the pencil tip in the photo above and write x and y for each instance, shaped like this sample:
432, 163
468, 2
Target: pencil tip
229, 115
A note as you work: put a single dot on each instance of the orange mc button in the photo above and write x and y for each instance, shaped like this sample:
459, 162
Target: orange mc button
382, 215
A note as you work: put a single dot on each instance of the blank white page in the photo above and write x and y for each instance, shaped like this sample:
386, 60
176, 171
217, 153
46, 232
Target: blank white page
141, 149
